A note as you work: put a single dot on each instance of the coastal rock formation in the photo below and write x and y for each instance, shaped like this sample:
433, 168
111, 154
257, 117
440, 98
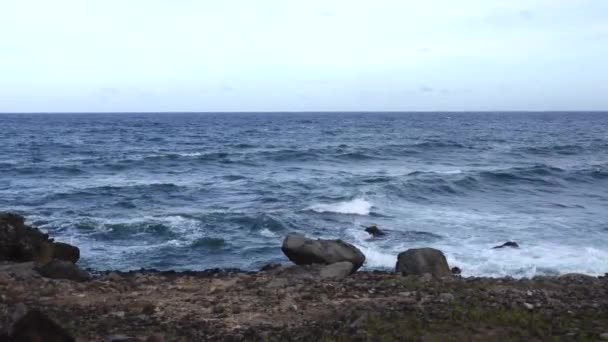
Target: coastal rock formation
304, 251
21, 243
374, 231
59, 269
419, 261
511, 244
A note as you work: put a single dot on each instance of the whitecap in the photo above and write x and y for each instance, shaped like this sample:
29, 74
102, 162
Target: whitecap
357, 206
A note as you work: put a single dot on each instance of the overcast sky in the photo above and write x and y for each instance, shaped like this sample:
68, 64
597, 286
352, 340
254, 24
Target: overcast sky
303, 55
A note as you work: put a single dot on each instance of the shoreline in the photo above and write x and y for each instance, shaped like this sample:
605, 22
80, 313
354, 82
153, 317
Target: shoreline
287, 303
44, 292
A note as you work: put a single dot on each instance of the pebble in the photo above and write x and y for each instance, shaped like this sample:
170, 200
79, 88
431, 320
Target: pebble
529, 306
604, 336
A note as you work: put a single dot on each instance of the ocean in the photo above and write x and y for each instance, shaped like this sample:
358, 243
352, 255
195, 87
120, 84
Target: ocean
187, 191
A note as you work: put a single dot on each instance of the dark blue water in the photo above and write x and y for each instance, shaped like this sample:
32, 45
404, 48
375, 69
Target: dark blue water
195, 191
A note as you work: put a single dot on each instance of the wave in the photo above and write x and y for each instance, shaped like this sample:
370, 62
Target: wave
357, 206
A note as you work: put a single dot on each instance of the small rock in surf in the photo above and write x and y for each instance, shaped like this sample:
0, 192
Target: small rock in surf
374, 231
511, 244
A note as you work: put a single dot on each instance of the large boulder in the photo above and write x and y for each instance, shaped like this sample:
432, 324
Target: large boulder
419, 261
304, 251
21, 243
59, 269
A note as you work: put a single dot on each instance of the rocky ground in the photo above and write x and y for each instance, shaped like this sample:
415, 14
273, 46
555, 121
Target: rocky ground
293, 303
45, 296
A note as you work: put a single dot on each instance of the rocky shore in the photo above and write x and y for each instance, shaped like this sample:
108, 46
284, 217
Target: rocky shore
44, 296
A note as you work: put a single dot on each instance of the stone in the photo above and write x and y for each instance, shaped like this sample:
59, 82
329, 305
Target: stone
35, 326
528, 306
456, 271
511, 244
304, 251
57, 269
374, 231
419, 261
604, 336
336, 271
22, 243
446, 297
66, 252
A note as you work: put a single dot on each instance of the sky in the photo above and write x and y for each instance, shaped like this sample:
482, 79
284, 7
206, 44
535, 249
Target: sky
303, 55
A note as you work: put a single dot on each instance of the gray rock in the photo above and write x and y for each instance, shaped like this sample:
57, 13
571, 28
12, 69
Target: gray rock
337, 271
57, 269
419, 261
446, 297
304, 251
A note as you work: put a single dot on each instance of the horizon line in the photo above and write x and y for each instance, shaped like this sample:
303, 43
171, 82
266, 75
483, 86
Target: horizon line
318, 112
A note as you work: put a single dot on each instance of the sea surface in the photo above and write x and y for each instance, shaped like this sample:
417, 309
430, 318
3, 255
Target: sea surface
197, 191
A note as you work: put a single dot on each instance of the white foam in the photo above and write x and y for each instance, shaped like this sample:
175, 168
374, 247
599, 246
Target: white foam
357, 206
268, 233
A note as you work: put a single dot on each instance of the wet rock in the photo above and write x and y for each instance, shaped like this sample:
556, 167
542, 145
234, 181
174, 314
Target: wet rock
419, 261
511, 244
374, 231
336, 271
304, 251
36, 326
66, 252
21, 243
456, 270
58, 269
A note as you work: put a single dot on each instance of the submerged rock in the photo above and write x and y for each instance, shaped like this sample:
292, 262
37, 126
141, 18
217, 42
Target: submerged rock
374, 231
21, 243
304, 251
511, 244
36, 326
419, 261
58, 269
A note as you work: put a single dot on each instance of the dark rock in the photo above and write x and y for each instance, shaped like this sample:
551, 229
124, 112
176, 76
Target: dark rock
66, 252
419, 261
21, 243
336, 271
36, 326
304, 251
374, 231
511, 244
58, 269
456, 270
